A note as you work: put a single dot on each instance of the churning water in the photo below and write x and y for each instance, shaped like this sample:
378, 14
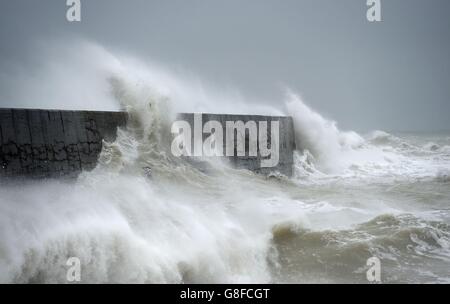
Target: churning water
144, 216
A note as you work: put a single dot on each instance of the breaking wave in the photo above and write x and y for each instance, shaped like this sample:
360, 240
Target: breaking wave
143, 216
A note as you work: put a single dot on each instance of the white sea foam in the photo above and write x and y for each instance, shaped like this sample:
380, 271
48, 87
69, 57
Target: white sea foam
179, 224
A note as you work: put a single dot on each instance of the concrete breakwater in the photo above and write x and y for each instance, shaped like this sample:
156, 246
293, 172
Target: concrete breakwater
55, 143
241, 127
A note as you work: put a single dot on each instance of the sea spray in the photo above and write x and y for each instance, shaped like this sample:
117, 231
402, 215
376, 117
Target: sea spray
352, 198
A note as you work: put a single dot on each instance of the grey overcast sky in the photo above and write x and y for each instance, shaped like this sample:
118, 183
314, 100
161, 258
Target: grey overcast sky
391, 75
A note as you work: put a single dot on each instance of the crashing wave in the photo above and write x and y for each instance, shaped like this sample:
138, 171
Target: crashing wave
143, 216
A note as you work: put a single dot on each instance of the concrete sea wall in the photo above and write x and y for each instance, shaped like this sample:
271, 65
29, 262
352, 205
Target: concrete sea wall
253, 163
53, 143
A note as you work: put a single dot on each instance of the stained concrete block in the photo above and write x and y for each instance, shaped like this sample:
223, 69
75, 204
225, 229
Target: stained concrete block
53, 143
253, 163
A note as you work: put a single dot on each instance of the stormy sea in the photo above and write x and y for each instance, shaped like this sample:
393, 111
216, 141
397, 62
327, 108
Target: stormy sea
145, 216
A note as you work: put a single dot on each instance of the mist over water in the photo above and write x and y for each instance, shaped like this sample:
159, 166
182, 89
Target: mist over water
144, 216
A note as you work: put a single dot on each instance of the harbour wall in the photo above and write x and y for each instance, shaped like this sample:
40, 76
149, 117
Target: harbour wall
57, 143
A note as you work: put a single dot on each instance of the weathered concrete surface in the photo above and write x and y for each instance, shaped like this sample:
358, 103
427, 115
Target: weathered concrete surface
53, 143
253, 163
